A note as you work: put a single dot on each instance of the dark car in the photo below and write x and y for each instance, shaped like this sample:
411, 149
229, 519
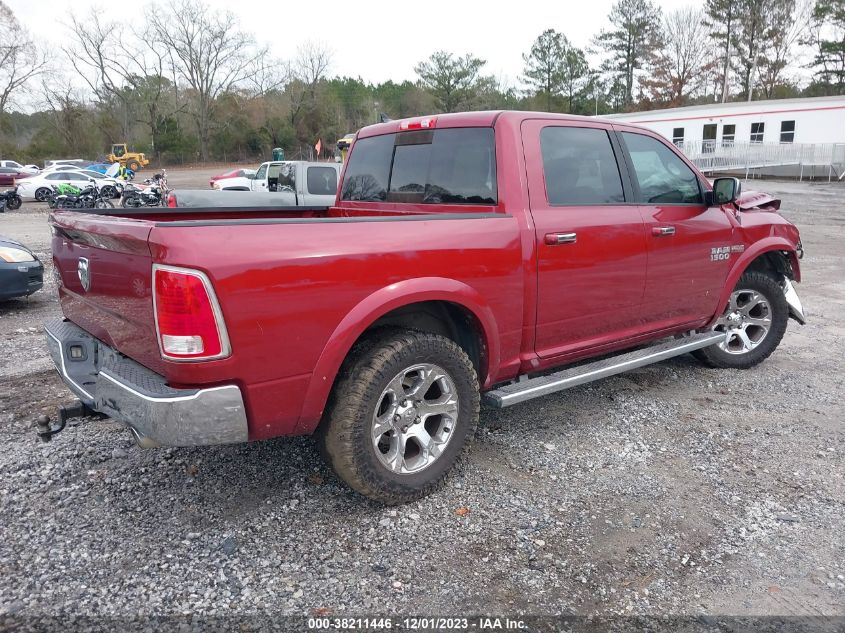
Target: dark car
8, 176
21, 272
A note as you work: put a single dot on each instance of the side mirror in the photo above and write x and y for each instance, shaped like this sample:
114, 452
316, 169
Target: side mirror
725, 190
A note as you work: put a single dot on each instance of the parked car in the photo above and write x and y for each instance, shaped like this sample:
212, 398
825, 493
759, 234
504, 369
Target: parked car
39, 187
275, 183
216, 182
471, 253
29, 169
73, 162
9, 176
21, 272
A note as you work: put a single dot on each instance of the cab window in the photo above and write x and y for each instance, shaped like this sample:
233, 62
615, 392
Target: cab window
580, 167
662, 176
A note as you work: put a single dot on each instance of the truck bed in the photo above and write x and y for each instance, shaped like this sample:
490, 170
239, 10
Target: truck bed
288, 280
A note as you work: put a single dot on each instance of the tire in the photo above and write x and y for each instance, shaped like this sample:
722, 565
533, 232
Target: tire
14, 202
393, 467
108, 192
134, 165
132, 202
102, 203
758, 308
41, 194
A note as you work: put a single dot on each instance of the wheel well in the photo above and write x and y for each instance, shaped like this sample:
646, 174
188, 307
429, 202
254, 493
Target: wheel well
447, 319
777, 262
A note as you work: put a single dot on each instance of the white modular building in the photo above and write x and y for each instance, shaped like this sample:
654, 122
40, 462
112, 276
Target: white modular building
802, 137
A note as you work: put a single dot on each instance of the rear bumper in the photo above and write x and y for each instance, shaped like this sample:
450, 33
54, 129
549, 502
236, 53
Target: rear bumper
158, 415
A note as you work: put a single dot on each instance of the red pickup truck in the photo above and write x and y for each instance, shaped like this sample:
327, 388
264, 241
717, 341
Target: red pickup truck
469, 253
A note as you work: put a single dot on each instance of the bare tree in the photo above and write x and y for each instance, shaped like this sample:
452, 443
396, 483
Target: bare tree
209, 54
790, 24
21, 60
681, 65
312, 63
119, 66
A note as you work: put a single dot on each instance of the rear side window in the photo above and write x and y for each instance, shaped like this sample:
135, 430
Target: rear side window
579, 166
662, 176
456, 166
322, 181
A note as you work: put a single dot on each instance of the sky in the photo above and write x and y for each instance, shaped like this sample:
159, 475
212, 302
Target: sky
374, 39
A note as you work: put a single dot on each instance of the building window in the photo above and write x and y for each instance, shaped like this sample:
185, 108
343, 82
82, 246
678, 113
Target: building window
728, 134
678, 136
787, 131
757, 130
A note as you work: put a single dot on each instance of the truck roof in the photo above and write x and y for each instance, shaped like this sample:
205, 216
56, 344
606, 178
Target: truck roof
486, 118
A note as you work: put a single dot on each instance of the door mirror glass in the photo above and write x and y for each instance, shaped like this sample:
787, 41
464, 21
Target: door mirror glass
726, 190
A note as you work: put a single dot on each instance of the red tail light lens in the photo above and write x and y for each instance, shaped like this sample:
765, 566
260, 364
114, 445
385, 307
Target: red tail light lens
172, 203
189, 322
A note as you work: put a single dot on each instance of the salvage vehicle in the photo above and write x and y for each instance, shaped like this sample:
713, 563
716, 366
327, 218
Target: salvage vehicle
504, 254
275, 183
21, 272
9, 176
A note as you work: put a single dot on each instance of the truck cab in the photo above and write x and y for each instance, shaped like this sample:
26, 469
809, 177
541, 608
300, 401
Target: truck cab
298, 183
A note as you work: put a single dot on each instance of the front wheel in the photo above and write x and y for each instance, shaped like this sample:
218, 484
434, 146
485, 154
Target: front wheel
133, 165
754, 323
41, 194
102, 203
405, 408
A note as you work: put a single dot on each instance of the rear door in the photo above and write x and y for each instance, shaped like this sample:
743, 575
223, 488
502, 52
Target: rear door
591, 243
689, 243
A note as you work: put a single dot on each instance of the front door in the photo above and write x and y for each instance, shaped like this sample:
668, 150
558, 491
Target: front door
591, 244
689, 244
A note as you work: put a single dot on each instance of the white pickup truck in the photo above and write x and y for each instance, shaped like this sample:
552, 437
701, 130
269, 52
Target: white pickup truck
275, 183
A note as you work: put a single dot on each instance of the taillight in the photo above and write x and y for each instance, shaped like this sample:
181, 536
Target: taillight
171, 200
425, 123
189, 323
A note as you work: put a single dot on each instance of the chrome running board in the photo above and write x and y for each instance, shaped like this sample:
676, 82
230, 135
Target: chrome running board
516, 392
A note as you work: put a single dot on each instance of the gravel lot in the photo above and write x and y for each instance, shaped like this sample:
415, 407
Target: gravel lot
674, 489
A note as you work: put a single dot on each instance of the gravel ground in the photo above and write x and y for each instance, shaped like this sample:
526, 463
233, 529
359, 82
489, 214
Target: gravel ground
674, 489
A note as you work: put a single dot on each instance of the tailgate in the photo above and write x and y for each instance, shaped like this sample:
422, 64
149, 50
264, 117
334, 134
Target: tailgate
105, 267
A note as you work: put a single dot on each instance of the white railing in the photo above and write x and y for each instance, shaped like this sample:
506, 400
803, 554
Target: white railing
712, 156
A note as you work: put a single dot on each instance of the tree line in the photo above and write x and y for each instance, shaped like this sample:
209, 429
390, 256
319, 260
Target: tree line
188, 84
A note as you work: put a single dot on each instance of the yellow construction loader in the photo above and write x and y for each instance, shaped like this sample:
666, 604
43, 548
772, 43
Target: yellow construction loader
131, 160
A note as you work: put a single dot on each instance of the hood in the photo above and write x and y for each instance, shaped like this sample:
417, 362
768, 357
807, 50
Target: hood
8, 241
757, 200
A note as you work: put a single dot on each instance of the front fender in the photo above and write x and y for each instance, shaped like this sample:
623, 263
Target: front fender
757, 249
373, 307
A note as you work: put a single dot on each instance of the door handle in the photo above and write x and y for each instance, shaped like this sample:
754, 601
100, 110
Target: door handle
553, 239
662, 231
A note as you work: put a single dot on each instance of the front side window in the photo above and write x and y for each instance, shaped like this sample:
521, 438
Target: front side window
662, 176
285, 175
787, 131
757, 132
448, 166
322, 181
579, 166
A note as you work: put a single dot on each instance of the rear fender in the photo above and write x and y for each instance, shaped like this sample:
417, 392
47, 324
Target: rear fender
368, 311
767, 245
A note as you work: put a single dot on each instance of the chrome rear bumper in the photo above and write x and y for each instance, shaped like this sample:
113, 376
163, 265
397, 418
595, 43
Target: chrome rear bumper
158, 415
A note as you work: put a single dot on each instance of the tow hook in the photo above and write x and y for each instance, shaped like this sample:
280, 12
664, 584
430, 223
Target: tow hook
46, 429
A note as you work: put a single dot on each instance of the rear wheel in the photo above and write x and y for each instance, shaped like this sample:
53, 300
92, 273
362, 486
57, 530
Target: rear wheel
754, 323
134, 165
41, 194
401, 415
108, 192
14, 202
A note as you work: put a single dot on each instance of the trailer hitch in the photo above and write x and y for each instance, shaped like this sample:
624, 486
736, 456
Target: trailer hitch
45, 427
